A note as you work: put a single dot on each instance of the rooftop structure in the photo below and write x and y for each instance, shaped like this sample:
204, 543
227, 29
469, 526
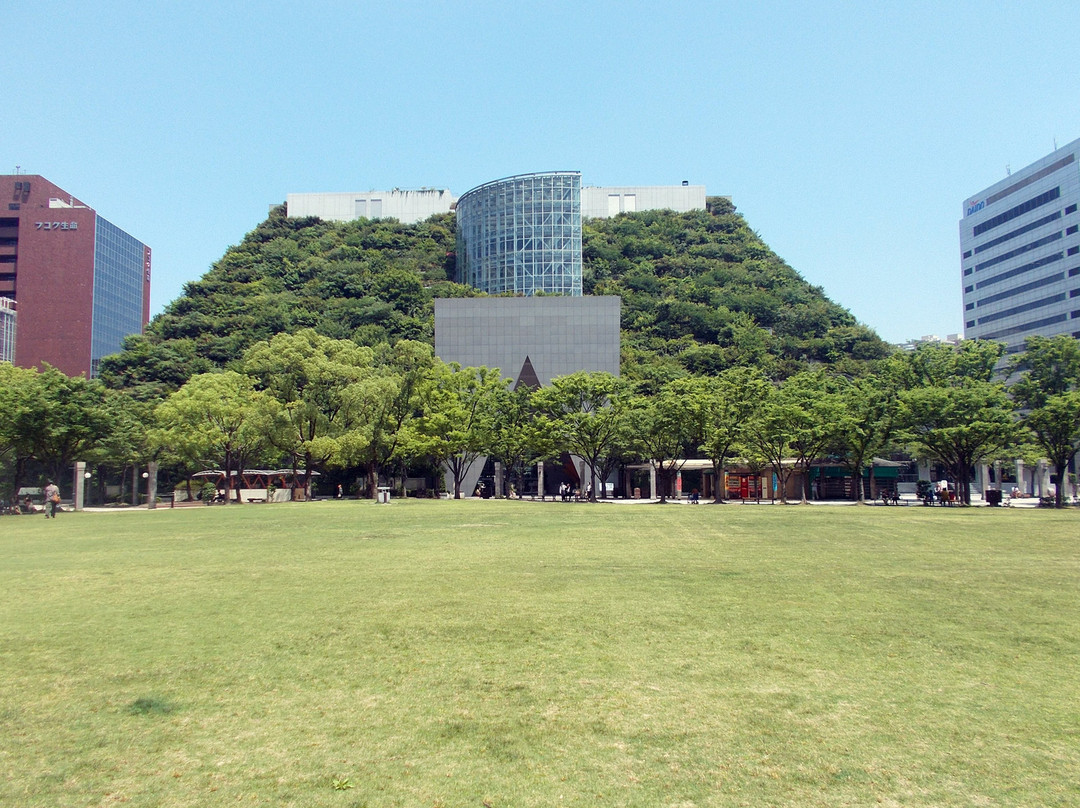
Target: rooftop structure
606, 201
408, 207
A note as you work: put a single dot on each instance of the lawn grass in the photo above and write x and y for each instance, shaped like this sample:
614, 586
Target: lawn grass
521, 654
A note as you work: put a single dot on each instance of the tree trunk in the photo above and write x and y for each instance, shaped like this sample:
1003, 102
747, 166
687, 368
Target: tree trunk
372, 481
1062, 481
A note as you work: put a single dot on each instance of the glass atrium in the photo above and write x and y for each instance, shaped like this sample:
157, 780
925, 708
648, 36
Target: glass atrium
522, 235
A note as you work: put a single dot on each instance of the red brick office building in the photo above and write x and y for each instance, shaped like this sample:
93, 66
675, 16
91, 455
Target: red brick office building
80, 283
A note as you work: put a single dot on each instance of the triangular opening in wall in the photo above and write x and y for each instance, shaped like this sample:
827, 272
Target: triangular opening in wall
527, 376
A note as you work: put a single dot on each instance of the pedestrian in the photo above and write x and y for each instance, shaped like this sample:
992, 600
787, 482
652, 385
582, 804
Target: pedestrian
52, 499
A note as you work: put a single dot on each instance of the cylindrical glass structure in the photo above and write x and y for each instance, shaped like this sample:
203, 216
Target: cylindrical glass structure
522, 235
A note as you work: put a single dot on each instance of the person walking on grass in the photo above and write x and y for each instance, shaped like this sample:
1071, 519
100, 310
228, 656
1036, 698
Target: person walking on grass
52, 499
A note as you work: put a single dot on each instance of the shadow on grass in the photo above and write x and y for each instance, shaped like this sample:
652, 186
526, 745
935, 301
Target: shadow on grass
151, 706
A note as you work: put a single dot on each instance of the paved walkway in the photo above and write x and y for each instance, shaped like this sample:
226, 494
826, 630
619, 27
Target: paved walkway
905, 500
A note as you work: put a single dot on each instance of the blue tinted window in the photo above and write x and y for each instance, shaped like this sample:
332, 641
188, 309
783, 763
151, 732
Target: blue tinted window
118, 289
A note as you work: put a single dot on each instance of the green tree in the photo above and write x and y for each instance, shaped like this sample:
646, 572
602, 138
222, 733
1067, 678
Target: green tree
723, 407
313, 378
456, 428
1048, 389
219, 418
866, 420
663, 430
586, 412
518, 438
25, 419
73, 422
770, 433
958, 426
1048, 367
401, 389
813, 409
1055, 426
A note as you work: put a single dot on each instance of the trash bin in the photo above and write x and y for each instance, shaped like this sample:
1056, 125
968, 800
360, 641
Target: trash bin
384, 494
992, 496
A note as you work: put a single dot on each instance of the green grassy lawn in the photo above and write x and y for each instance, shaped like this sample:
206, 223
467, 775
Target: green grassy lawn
522, 654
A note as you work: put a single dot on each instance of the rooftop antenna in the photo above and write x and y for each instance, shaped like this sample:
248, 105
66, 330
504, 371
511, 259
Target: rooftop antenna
1008, 170
1055, 144
17, 170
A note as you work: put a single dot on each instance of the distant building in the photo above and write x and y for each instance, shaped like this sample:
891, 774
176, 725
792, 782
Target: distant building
7, 330
408, 207
81, 284
1020, 253
930, 339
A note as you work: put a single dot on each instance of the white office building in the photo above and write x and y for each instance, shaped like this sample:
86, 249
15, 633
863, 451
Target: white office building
1020, 253
408, 207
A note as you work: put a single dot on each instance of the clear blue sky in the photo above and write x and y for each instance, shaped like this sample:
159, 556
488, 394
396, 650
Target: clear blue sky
848, 134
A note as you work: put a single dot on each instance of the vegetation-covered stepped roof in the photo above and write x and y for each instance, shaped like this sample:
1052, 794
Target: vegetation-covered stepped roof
700, 292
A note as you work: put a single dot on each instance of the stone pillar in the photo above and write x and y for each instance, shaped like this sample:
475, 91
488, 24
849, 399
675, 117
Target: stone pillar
1020, 483
652, 479
924, 470
540, 479
1042, 478
151, 484
134, 485
79, 488
498, 480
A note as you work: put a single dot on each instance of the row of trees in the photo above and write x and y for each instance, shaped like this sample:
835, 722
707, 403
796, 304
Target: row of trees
316, 402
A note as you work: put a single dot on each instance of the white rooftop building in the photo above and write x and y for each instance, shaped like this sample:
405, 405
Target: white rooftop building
408, 207
412, 206
607, 201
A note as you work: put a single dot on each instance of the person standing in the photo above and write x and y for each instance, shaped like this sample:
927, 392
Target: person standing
52, 499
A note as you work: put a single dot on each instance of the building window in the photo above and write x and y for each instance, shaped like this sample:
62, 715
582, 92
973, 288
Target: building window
1070, 230
1034, 245
1019, 290
1020, 329
1019, 210
1012, 273
1070, 209
1053, 217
